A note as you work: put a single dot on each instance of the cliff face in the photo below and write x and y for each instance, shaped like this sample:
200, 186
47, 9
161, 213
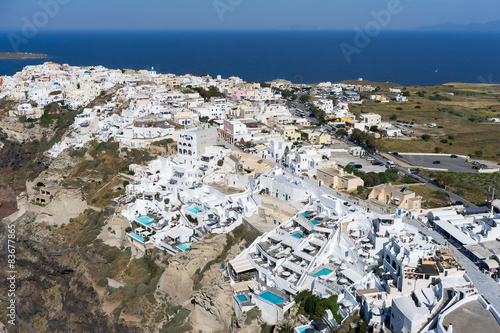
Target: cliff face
8, 204
53, 294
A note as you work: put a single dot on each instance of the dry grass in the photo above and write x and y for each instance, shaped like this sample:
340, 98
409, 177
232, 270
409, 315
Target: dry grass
470, 101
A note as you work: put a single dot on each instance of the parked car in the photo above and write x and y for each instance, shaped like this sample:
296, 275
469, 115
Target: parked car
459, 203
436, 162
453, 156
351, 163
358, 166
377, 163
476, 167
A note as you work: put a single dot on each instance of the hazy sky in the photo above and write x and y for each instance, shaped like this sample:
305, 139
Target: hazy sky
237, 14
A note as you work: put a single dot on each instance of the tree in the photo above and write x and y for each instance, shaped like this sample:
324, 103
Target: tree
478, 153
438, 150
426, 137
220, 162
372, 179
287, 150
372, 143
341, 132
374, 128
393, 117
358, 136
304, 98
249, 144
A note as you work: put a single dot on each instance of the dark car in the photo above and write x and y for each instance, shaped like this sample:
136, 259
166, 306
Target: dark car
440, 126
358, 166
377, 163
436, 162
340, 166
395, 153
453, 156
459, 203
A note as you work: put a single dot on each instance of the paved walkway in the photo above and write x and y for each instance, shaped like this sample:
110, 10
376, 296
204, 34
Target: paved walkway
484, 284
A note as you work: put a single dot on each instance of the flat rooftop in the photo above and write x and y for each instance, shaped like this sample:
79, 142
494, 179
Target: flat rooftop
472, 317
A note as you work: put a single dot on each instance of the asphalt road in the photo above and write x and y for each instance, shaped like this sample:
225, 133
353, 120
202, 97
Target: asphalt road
445, 162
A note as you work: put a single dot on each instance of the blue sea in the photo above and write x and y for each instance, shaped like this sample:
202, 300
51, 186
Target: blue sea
404, 57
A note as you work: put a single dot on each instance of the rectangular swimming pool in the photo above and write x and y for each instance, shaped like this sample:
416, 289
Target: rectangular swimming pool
305, 214
314, 222
324, 271
241, 298
139, 238
184, 246
298, 235
145, 220
302, 329
193, 210
272, 298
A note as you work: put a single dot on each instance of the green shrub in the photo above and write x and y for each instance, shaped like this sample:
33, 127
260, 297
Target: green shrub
426, 137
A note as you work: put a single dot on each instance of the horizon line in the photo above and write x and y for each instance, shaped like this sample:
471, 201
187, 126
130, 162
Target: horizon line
415, 29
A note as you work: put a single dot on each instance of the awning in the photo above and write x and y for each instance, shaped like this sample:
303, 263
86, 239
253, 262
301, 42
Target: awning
316, 241
352, 275
288, 242
491, 263
290, 290
293, 267
454, 232
276, 237
303, 255
241, 265
306, 225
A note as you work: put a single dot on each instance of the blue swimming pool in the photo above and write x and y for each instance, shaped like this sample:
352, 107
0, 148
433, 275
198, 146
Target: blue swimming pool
184, 246
298, 235
193, 210
139, 238
314, 222
324, 271
305, 214
241, 298
145, 220
302, 329
272, 298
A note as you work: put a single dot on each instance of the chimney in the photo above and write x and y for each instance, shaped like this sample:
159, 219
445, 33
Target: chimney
450, 328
